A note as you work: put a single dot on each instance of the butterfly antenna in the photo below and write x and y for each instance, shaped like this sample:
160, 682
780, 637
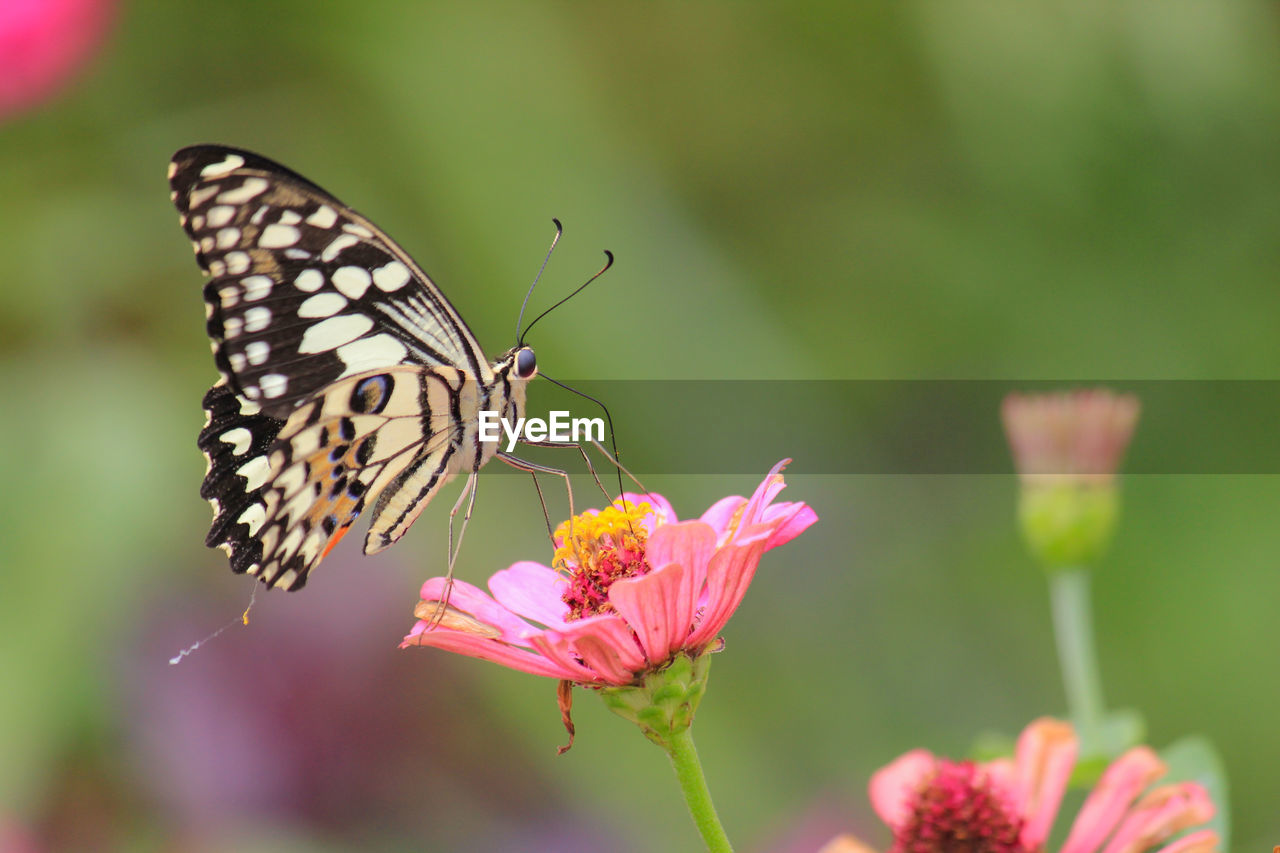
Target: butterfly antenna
613, 439
552, 248
608, 263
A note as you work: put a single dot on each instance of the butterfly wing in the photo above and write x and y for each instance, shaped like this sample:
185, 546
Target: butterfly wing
285, 492
236, 441
303, 290
342, 365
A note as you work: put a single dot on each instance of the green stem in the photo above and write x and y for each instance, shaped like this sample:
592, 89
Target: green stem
684, 758
1073, 626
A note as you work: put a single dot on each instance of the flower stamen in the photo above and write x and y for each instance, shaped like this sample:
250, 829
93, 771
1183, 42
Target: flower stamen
597, 548
957, 810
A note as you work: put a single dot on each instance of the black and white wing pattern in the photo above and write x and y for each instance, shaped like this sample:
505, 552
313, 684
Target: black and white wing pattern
302, 289
342, 366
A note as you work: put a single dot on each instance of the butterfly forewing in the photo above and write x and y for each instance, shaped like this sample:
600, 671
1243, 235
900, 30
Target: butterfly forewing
347, 377
303, 290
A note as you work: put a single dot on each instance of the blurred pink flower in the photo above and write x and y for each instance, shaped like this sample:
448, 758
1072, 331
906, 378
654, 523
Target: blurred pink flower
266, 739
14, 838
634, 588
43, 43
1008, 806
1078, 434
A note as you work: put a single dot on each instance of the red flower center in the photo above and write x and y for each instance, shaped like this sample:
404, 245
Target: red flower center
597, 549
959, 811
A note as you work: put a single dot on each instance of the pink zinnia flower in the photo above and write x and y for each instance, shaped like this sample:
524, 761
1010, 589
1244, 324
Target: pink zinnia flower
43, 43
1008, 806
632, 587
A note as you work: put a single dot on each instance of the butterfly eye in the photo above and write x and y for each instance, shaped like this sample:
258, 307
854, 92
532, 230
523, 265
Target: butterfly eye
526, 364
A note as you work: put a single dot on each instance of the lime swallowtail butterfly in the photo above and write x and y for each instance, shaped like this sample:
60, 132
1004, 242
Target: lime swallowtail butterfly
348, 381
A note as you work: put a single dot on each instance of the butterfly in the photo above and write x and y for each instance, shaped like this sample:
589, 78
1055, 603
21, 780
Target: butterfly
347, 381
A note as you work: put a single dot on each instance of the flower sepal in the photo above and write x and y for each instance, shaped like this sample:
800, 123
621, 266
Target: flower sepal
1195, 758
1118, 731
664, 702
1068, 524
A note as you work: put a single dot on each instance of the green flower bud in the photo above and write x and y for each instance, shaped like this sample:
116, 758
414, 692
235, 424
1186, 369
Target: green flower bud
1069, 523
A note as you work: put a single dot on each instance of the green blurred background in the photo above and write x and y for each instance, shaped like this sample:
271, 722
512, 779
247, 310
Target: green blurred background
918, 190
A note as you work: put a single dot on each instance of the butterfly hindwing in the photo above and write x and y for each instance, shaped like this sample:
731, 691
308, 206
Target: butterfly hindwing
444, 394
236, 441
304, 291
363, 435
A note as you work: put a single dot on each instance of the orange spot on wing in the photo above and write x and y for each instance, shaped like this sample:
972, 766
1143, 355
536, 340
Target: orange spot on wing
337, 537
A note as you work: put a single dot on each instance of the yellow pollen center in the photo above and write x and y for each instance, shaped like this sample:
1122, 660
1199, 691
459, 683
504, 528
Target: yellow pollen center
597, 549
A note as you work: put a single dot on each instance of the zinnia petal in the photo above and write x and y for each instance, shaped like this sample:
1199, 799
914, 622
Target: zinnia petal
658, 608
1160, 815
692, 544
753, 512
789, 520
1002, 773
1127, 776
728, 576
721, 515
604, 644
484, 648
533, 591
475, 602
1045, 755
892, 786
1204, 841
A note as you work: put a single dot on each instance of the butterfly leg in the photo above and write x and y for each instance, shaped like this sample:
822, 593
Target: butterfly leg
587, 460
536, 469
468, 496
617, 464
542, 501
565, 445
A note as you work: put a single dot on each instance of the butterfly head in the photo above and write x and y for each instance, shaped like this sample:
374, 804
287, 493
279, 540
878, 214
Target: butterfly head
515, 368
521, 363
